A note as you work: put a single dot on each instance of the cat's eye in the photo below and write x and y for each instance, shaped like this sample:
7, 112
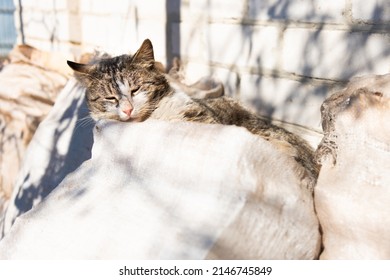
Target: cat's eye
134, 90
112, 99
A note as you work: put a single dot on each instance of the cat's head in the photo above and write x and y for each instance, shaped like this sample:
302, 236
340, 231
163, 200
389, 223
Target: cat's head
124, 88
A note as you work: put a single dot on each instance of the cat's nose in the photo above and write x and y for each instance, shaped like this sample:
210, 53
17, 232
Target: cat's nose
127, 111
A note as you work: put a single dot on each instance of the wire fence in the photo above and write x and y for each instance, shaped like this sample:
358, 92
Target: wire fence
7, 27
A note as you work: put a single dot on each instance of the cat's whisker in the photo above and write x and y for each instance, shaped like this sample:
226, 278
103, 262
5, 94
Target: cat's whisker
84, 122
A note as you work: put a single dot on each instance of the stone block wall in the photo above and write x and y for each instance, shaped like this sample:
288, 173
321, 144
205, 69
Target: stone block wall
280, 57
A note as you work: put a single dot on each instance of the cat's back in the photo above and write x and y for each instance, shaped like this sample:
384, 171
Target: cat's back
227, 110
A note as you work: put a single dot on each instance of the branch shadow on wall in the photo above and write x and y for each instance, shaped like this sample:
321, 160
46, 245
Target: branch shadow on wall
309, 61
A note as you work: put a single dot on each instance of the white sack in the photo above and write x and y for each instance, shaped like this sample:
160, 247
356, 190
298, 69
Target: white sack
160, 190
352, 196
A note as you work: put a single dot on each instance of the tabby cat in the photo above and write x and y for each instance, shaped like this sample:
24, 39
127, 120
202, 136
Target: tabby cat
132, 88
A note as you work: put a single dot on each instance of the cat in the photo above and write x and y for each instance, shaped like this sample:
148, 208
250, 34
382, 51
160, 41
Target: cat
132, 88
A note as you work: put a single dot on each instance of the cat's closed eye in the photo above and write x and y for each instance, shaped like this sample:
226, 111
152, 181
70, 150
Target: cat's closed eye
134, 91
112, 99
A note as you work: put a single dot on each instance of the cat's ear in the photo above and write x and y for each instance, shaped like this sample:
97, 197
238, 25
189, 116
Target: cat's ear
83, 72
78, 67
145, 52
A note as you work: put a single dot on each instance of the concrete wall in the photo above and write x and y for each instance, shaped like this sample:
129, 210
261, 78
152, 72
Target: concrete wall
281, 57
